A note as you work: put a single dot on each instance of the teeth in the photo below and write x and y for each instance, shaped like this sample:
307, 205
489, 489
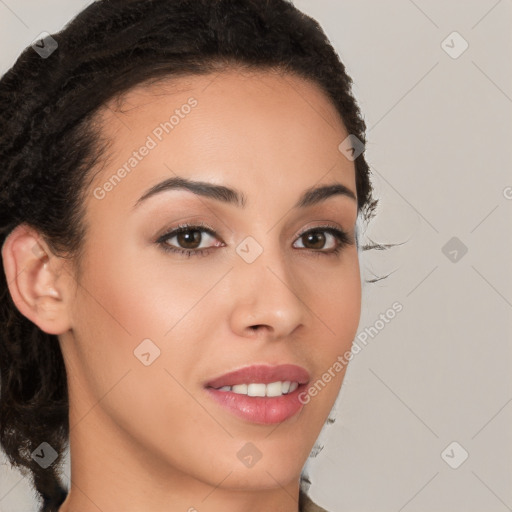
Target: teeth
239, 388
258, 389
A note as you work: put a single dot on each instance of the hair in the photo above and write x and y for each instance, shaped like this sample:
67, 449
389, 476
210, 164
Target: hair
50, 141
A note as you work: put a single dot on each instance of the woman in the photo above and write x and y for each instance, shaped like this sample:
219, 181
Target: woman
180, 207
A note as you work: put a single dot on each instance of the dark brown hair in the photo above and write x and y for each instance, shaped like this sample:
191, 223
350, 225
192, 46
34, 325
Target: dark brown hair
49, 143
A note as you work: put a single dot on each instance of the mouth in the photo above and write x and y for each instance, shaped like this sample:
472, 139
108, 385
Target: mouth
263, 410
261, 394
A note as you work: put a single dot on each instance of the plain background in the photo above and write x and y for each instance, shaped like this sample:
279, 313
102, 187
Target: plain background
439, 144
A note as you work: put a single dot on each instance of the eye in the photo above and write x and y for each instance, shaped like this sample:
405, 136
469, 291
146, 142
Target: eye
189, 239
316, 238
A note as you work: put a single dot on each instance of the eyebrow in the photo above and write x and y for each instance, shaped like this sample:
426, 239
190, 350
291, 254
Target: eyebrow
311, 196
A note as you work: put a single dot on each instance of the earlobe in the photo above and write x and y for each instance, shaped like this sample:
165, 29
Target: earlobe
32, 272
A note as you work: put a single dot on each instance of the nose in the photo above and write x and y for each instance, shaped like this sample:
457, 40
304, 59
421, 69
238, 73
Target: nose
267, 297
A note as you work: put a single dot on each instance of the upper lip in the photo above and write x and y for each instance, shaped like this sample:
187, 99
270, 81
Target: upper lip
261, 373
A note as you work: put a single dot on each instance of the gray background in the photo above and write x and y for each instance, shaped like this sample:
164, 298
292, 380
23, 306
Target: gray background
439, 143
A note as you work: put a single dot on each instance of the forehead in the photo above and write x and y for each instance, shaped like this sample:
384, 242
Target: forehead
252, 130
229, 98
229, 84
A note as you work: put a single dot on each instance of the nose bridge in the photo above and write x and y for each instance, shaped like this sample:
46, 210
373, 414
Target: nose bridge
269, 289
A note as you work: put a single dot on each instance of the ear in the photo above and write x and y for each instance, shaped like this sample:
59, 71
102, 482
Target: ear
36, 280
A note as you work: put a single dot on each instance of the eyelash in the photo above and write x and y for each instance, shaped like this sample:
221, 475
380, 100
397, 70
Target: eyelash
341, 236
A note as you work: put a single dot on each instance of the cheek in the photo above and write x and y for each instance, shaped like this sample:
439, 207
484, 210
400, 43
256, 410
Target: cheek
132, 311
123, 303
142, 297
337, 305
337, 301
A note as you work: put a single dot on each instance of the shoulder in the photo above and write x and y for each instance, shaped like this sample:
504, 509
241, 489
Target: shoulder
306, 504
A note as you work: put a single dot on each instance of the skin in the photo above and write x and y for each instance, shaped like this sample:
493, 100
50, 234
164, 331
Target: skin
148, 437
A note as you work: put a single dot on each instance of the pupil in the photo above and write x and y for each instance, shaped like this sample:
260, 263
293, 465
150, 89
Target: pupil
318, 236
185, 238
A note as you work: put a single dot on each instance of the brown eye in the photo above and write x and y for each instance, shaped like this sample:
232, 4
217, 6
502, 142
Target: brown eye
315, 239
190, 237
186, 240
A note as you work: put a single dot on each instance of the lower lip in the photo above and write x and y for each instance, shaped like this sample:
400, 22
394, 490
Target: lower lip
264, 410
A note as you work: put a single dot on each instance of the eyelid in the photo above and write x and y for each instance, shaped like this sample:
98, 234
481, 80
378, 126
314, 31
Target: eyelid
211, 230
187, 225
322, 225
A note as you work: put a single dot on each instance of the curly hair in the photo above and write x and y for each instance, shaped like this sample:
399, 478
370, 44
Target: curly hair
50, 142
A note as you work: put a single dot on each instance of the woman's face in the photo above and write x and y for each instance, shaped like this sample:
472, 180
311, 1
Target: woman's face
150, 327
